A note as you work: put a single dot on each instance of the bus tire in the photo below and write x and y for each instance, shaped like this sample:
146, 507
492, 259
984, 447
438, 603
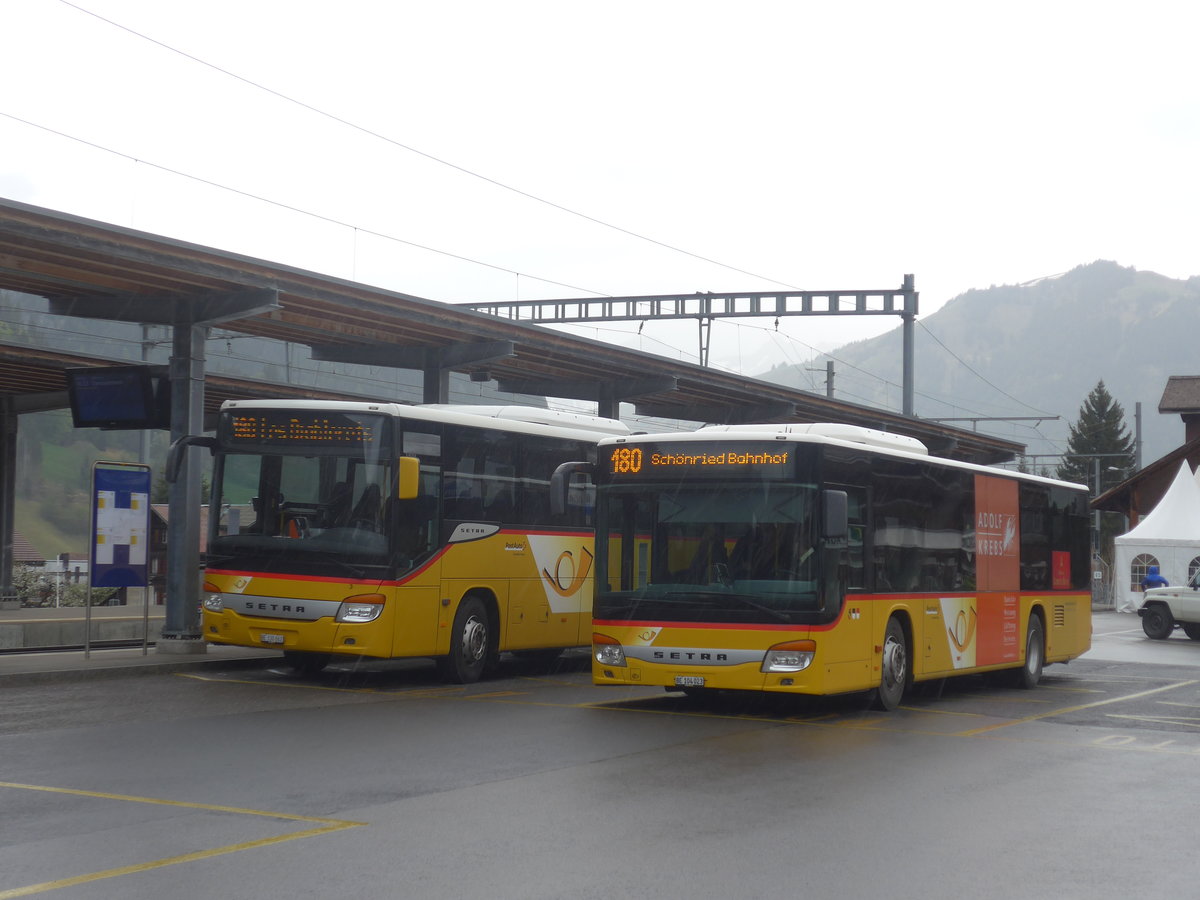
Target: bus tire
893, 667
1157, 621
305, 664
1030, 673
471, 644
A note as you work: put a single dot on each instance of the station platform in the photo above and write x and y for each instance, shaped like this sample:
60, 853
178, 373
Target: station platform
76, 665
1116, 637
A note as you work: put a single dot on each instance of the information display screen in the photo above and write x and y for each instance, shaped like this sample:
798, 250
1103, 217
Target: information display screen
117, 397
675, 460
309, 430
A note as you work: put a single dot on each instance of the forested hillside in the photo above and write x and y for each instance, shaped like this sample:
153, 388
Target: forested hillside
1023, 351
54, 466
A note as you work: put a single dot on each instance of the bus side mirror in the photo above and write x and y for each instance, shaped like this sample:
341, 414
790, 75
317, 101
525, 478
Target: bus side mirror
560, 484
835, 526
408, 481
178, 451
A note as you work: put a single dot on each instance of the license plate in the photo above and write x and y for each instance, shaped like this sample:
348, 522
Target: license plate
272, 638
689, 681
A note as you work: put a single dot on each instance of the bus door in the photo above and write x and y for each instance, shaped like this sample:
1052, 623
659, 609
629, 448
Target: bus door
848, 645
416, 526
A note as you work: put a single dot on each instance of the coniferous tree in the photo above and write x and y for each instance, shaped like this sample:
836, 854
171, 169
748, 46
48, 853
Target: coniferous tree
1100, 441
1100, 454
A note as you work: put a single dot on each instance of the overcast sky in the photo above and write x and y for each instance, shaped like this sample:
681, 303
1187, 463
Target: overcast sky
490, 150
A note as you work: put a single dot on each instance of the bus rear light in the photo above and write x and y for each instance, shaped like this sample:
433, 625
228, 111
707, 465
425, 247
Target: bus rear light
607, 651
363, 608
794, 656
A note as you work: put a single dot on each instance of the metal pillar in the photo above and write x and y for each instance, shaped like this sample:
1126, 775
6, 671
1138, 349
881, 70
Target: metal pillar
436, 382
608, 404
8, 487
909, 317
181, 625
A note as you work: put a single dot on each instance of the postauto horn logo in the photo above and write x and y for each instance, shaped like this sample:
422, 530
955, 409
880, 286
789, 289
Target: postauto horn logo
564, 565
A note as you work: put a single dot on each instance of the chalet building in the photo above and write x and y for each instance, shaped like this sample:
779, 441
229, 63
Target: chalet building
1140, 493
24, 552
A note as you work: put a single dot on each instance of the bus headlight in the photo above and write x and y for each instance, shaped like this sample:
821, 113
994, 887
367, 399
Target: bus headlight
214, 603
363, 608
607, 651
794, 656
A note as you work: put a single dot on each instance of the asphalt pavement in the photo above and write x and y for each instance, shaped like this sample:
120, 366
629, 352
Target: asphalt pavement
1116, 636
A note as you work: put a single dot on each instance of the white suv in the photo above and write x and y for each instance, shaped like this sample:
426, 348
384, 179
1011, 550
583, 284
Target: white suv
1165, 607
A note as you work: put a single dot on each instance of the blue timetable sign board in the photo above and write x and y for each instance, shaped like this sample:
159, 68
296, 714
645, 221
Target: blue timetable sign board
120, 525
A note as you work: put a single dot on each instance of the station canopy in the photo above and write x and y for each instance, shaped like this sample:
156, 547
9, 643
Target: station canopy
95, 270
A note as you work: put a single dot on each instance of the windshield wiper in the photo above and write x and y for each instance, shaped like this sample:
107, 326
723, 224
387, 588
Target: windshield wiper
744, 601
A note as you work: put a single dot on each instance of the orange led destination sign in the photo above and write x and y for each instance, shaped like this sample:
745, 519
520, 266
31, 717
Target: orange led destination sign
301, 427
699, 460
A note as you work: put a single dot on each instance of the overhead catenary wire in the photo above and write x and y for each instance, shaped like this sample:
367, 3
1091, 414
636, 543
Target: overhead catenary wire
411, 149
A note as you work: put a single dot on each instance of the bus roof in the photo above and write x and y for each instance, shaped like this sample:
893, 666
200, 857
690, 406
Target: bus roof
523, 419
854, 433
834, 433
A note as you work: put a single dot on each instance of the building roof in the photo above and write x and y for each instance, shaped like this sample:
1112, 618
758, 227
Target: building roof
1181, 395
25, 552
163, 512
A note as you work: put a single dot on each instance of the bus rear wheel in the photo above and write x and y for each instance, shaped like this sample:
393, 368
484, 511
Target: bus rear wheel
893, 667
1030, 673
472, 644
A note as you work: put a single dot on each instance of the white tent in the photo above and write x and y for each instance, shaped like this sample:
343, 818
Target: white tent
1170, 533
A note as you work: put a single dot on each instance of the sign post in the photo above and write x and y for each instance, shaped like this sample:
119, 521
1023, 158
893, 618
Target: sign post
120, 541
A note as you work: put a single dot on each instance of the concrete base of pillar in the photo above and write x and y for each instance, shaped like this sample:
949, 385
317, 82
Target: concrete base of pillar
181, 646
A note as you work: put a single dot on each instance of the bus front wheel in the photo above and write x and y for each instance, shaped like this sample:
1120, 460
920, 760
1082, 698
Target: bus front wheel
1030, 673
893, 667
471, 644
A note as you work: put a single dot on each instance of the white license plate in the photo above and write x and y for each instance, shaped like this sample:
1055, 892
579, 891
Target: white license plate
272, 638
689, 681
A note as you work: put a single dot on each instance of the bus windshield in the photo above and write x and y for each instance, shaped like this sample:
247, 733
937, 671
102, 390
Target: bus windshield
738, 551
316, 503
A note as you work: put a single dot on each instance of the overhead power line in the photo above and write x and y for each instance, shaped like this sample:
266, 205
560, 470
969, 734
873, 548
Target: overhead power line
411, 149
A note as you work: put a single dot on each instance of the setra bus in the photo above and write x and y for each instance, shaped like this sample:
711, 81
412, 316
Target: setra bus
383, 530
826, 559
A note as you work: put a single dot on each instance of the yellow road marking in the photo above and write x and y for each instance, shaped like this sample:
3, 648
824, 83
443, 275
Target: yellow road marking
942, 712
326, 826
283, 684
1069, 709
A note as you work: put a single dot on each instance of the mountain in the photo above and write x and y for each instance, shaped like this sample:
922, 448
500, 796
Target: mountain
1033, 350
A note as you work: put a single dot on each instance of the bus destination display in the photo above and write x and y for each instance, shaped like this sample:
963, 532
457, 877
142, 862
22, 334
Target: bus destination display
317, 429
695, 460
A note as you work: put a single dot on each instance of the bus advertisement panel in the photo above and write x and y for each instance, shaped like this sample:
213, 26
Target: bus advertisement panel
818, 560
385, 531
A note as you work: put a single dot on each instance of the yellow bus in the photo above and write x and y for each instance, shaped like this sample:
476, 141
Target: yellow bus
382, 530
827, 559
